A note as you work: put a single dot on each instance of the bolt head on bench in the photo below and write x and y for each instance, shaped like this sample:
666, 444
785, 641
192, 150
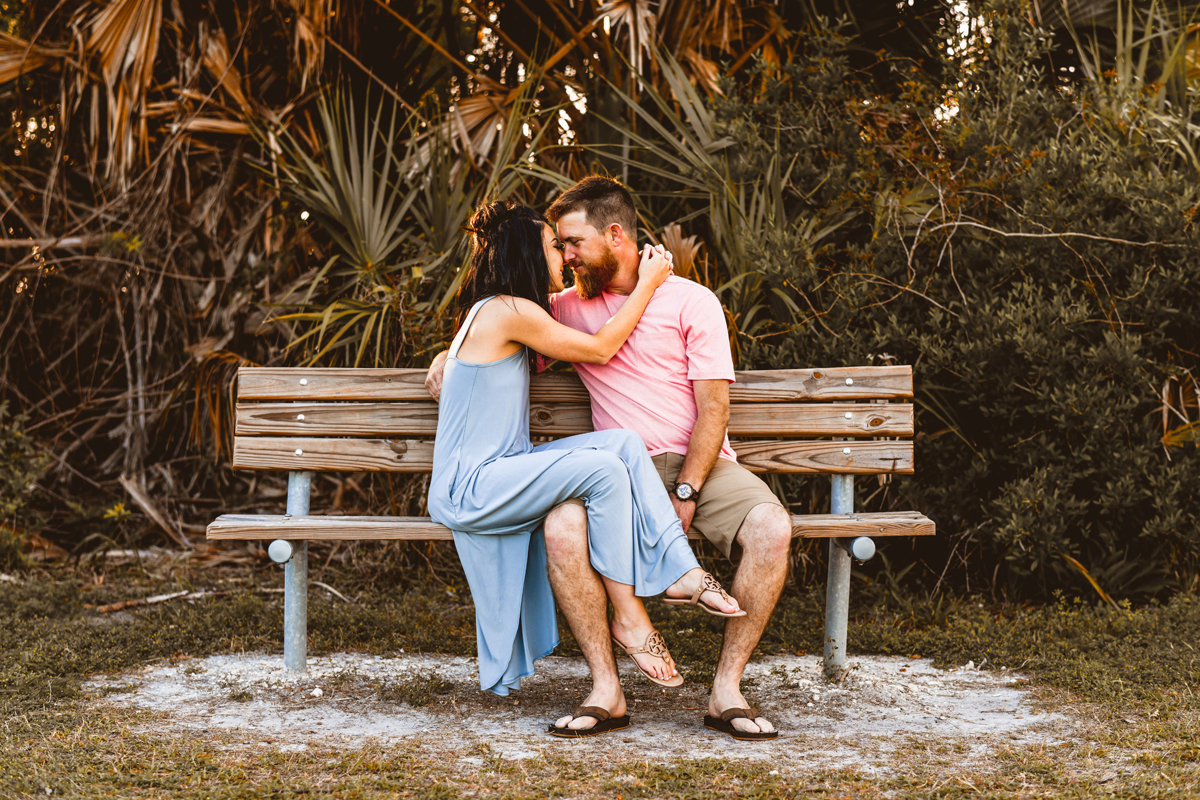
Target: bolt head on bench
281, 551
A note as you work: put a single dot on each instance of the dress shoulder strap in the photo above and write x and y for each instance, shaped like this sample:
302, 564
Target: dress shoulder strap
466, 326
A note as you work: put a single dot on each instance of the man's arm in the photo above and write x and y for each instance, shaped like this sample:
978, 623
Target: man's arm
433, 378
712, 419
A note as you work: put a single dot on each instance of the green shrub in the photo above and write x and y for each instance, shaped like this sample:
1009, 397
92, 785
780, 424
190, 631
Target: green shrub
1034, 258
22, 465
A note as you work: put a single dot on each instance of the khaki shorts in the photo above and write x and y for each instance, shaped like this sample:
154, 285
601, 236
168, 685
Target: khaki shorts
725, 499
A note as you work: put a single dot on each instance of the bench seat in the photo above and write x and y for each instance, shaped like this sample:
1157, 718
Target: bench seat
343, 528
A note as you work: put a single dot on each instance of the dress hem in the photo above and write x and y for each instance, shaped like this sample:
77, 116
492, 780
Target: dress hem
508, 686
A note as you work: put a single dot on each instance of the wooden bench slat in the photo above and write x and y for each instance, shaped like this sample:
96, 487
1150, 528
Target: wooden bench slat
826, 458
399, 385
268, 526
565, 419
415, 455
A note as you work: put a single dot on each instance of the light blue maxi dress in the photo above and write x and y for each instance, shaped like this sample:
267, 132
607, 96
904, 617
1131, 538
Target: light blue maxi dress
493, 489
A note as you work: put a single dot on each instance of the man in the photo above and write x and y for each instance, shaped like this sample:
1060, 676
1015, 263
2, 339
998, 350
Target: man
670, 384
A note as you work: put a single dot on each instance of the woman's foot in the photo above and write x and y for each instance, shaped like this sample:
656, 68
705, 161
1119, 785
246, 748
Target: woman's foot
613, 702
698, 587
656, 662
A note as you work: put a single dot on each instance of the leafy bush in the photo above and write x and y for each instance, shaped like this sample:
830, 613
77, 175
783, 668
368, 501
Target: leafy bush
1032, 254
22, 465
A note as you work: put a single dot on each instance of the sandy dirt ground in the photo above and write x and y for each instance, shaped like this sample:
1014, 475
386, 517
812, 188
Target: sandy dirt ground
881, 709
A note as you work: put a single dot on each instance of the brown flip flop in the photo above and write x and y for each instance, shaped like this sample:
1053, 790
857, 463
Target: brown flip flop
604, 724
655, 646
724, 724
707, 584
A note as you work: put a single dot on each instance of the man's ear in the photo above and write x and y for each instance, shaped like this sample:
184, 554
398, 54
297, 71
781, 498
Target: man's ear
616, 234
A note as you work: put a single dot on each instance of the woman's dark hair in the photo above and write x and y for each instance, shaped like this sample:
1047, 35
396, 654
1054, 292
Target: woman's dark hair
507, 257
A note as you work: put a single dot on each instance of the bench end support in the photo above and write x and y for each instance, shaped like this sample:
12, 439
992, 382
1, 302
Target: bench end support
837, 590
295, 580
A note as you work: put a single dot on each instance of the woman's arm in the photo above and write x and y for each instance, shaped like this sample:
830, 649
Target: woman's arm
530, 325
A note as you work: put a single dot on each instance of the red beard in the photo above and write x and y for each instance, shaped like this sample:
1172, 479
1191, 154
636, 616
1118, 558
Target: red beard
590, 279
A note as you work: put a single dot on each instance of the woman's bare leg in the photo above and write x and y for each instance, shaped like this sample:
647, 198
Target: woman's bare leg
631, 627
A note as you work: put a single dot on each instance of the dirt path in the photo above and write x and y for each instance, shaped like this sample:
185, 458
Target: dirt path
884, 706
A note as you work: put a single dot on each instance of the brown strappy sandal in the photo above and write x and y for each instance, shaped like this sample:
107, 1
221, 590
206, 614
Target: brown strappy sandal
707, 584
655, 646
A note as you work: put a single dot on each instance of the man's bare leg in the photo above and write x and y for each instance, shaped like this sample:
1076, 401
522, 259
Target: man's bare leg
580, 595
765, 536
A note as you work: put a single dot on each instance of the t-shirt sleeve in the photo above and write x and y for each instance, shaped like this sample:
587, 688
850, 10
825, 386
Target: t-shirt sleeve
706, 339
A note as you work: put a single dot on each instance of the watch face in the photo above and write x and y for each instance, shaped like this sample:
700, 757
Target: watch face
684, 491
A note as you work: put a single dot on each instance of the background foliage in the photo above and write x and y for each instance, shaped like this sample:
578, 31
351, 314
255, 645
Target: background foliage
1000, 194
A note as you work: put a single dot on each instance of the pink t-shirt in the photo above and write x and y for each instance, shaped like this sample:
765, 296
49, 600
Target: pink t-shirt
647, 386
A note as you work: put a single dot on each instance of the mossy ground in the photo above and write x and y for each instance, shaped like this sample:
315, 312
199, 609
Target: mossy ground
1131, 675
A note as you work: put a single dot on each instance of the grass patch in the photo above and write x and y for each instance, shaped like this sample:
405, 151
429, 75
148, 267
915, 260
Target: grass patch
417, 691
1137, 667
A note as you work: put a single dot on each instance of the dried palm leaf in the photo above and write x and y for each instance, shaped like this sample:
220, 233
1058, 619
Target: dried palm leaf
215, 125
704, 71
312, 19
684, 249
124, 40
219, 64
638, 18
477, 119
18, 56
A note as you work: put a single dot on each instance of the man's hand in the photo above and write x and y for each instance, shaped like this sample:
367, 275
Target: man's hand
433, 379
685, 510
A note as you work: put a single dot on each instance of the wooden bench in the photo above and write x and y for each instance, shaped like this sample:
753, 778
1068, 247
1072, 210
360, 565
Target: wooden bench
839, 422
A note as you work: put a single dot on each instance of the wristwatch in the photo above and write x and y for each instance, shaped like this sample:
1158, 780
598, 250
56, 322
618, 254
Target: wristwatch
684, 492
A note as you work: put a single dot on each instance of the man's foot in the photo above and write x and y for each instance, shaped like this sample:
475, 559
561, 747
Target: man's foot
605, 723
614, 705
724, 724
718, 705
656, 662
700, 588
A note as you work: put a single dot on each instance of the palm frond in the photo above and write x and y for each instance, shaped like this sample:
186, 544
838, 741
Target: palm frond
358, 186
18, 57
123, 39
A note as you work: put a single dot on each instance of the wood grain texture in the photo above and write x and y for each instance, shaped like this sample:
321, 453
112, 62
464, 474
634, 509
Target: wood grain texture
415, 455
332, 455
265, 526
565, 419
400, 385
796, 385
826, 458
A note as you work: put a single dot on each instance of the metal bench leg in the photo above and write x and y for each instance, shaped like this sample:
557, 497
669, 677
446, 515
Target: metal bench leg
295, 581
837, 590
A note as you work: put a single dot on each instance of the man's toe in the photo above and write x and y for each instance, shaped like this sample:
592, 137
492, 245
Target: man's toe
745, 725
582, 723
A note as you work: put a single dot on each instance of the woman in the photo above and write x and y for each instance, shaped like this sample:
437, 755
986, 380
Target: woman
493, 488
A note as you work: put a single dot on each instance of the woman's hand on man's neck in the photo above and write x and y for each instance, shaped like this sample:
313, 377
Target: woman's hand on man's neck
626, 279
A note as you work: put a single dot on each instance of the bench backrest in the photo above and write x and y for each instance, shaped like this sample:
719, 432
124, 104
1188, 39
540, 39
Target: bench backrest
368, 420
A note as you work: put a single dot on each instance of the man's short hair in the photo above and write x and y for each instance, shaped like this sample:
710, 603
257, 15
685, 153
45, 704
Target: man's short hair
603, 201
